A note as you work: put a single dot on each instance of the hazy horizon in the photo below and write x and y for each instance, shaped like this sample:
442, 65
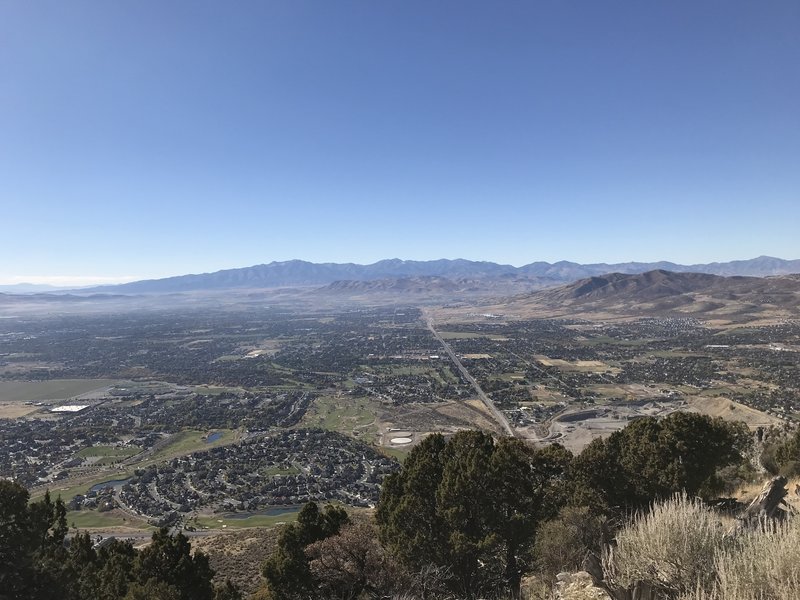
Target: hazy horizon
76, 282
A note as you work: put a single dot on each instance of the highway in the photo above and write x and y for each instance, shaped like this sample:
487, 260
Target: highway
498, 415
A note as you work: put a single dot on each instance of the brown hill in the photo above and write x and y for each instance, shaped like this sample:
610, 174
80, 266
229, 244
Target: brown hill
665, 292
647, 286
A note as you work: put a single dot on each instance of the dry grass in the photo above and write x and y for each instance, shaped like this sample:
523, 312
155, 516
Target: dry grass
762, 564
238, 556
15, 410
671, 547
732, 411
681, 548
758, 565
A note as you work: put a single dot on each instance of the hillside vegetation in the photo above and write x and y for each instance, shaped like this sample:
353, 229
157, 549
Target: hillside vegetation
466, 517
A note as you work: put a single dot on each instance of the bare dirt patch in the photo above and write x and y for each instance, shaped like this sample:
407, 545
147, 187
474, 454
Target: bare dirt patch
420, 420
732, 411
15, 410
575, 429
238, 556
580, 366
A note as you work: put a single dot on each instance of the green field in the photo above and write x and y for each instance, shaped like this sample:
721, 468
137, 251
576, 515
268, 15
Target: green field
107, 454
187, 442
272, 471
85, 519
513, 376
54, 389
67, 493
217, 522
107, 451
398, 454
440, 372
674, 354
214, 390
345, 414
605, 340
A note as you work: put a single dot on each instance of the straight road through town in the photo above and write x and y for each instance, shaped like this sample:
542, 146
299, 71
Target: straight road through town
498, 415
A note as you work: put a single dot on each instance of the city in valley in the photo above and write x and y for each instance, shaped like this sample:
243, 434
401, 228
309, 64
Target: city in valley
211, 412
227, 412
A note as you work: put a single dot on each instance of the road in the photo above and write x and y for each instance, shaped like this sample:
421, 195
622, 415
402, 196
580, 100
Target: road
498, 415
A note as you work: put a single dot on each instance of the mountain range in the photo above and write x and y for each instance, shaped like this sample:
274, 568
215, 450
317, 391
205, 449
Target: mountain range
298, 273
657, 293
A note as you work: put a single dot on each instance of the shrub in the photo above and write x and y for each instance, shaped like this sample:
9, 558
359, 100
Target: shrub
763, 563
783, 457
733, 477
353, 564
652, 459
680, 548
672, 548
758, 565
563, 543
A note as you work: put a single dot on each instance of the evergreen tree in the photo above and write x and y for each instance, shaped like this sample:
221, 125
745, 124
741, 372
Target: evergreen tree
32, 555
286, 571
115, 569
168, 559
35, 563
408, 517
529, 488
479, 505
652, 459
16, 542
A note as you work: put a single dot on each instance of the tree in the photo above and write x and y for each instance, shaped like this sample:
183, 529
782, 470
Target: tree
35, 563
32, 555
529, 489
472, 506
563, 543
16, 542
286, 571
787, 456
115, 569
408, 517
168, 559
653, 459
464, 499
353, 563
152, 589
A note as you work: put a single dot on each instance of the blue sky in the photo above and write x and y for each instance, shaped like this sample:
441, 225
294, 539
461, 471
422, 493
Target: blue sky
150, 138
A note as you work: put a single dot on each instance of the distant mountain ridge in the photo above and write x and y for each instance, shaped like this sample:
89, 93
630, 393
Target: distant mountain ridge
298, 273
31, 288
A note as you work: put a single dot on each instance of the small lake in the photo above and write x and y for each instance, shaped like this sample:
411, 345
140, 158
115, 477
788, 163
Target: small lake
269, 512
213, 437
111, 482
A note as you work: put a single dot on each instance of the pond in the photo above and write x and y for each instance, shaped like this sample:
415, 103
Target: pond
213, 437
111, 482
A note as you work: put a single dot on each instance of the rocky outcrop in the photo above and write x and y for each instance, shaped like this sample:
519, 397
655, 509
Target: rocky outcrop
579, 586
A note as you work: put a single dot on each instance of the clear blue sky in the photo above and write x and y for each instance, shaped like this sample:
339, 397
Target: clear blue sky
149, 138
